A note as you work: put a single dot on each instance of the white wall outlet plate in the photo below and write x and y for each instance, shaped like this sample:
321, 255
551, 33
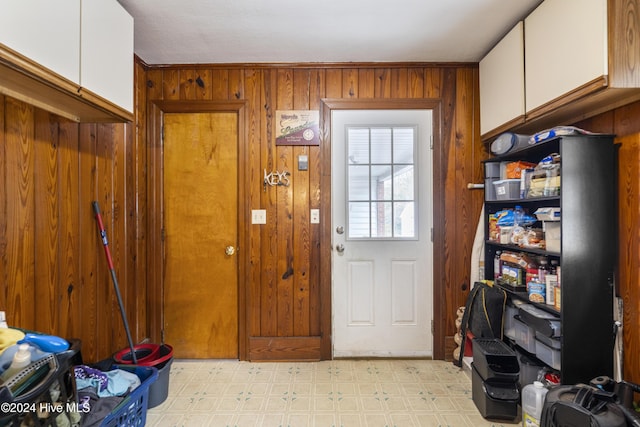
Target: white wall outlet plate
315, 216
258, 216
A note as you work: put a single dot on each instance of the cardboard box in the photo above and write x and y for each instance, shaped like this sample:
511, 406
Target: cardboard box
552, 235
547, 214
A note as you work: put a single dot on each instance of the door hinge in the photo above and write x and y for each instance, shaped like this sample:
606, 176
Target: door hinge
433, 329
162, 234
431, 142
432, 234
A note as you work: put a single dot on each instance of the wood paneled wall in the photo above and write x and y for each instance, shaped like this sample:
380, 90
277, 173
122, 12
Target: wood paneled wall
286, 275
53, 272
53, 275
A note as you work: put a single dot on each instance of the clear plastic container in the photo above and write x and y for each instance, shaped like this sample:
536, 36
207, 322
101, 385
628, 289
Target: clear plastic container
532, 402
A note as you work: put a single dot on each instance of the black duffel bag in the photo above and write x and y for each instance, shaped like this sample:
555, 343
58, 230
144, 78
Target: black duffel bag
581, 405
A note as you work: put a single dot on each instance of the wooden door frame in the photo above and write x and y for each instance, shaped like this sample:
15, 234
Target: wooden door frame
155, 209
439, 312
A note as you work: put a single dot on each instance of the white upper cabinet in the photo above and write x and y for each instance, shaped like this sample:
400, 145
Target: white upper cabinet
44, 31
502, 82
565, 48
71, 57
107, 51
580, 57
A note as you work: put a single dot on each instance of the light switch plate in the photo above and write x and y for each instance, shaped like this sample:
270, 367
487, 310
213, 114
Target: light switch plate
315, 216
303, 162
258, 216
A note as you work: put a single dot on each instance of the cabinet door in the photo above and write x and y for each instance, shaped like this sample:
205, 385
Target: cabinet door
106, 66
45, 31
565, 48
502, 81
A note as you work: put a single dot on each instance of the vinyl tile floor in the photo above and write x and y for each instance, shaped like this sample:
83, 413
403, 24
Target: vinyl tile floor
336, 393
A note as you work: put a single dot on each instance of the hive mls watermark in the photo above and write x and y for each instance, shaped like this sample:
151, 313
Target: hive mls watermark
44, 407
59, 408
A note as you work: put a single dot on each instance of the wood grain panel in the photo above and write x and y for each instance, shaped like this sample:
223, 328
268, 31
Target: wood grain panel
333, 84
445, 215
623, 36
433, 82
90, 242
187, 84
219, 82
114, 139
350, 83
284, 215
204, 85
415, 83
366, 83
467, 166
382, 83
628, 276
68, 298
4, 270
153, 246
285, 348
46, 221
269, 250
171, 84
399, 83
254, 191
301, 235
19, 150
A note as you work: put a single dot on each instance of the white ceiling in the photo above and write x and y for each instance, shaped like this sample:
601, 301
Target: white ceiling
328, 31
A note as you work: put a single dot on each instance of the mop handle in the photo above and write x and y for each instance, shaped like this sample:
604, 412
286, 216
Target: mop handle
116, 287
103, 234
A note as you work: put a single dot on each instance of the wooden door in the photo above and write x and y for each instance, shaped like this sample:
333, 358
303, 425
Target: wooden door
201, 233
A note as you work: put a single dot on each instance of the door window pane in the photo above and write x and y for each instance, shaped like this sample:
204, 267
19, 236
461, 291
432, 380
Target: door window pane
403, 182
381, 183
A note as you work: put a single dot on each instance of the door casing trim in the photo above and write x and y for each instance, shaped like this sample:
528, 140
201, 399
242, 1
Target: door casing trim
327, 105
155, 209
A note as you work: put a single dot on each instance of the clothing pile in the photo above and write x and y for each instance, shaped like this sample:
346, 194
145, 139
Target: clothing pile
99, 393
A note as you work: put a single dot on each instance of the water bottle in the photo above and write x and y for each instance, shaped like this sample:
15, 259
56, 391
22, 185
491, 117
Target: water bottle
518, 216
21, 359
496, 266
532, 402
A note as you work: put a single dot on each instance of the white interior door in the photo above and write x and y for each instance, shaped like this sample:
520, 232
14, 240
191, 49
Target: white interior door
382, 219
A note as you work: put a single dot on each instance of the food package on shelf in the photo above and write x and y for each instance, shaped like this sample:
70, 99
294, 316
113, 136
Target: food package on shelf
514, 169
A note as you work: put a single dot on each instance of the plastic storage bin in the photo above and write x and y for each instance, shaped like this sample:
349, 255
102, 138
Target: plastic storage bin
507, 189
525, 336
509, 321
542, 321
529, 369
132, 411
490, 189
492, 170
548, 355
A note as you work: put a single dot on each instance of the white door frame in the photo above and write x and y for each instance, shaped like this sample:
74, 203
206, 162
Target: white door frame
382, 289
439, 288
